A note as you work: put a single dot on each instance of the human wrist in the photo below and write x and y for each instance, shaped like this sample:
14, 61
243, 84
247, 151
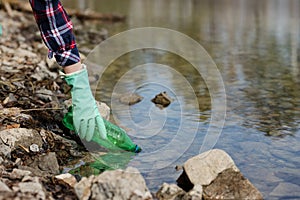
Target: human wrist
73, 68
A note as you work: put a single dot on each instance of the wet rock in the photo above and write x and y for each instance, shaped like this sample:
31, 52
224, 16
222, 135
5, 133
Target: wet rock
117, 184
162, 100
130, 99
231, 184
170, 192
204, 168
67, 178
12, 138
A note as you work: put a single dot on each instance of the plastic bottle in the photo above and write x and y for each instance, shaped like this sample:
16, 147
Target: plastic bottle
116, 135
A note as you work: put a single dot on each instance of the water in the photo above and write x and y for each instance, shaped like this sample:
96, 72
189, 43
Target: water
256, 46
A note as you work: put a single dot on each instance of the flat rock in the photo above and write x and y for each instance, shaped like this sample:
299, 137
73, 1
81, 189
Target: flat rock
11, 138
231, 184
67, 178
116, 184
204, 168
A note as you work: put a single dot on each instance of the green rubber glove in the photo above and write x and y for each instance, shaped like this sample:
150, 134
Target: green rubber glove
87, 120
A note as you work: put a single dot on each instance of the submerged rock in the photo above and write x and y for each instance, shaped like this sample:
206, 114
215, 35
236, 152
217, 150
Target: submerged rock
130, 99
162, 100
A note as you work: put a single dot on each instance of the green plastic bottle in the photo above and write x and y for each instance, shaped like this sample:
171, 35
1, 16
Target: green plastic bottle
116, 135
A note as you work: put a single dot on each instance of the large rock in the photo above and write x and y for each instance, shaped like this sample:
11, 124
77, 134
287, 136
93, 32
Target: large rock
12, 138
231, 185
204, 168
216, 172
117, 184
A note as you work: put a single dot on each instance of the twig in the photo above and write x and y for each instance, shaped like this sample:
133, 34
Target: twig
40, 109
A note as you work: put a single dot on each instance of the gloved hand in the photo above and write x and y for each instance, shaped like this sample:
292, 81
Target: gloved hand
87, 120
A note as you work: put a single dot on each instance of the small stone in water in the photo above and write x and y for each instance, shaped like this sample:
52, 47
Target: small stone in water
34, 148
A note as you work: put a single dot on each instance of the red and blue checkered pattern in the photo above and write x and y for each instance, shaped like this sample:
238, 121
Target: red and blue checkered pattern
56, 30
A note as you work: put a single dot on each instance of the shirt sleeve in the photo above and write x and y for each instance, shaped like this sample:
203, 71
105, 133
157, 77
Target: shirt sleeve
56, 30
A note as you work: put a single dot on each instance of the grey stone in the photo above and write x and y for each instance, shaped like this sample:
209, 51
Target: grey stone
104, 110
48, 162
34, 187
231, 184
194, 194
4, 187
83, 188
170, 192
19, 173
22, 53
204, 168
67, 178
117, 184
10, 138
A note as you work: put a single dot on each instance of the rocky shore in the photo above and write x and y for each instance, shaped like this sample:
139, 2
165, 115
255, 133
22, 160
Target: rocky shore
35, 148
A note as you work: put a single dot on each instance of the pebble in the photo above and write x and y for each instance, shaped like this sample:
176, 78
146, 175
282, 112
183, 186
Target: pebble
34, 148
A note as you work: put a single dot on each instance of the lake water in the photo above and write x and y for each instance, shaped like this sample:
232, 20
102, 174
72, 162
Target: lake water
256, 47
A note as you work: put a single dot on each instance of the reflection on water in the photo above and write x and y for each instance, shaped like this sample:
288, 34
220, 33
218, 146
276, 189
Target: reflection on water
256, 46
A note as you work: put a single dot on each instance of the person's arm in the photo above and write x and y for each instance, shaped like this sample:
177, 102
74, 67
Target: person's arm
57, 33
56, 30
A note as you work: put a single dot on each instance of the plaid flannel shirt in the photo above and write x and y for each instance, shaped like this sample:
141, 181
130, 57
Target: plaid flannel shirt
56, 31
